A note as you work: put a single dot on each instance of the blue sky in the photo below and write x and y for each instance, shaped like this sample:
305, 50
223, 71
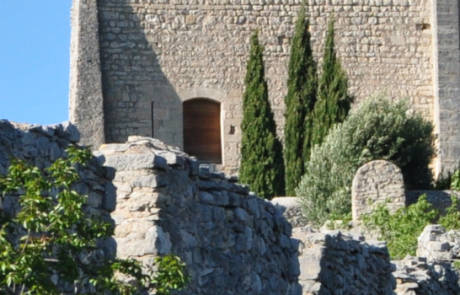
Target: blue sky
34, 60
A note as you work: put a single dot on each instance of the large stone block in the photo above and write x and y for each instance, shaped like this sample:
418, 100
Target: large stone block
377, 182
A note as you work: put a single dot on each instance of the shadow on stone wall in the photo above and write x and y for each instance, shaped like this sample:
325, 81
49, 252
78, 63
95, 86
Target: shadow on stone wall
133, 79
439, 199
351, 267
335, 263
231, 241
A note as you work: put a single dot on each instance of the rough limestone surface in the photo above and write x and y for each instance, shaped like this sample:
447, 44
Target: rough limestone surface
415, 275
292, 210
377, 182
231, 241
169, 51
41, 146
85, 91
437, 244
336, 263
432, 271
446, 44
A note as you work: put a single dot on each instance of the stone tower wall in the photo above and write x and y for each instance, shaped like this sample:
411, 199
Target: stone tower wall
155, 54
447, 83
85, 97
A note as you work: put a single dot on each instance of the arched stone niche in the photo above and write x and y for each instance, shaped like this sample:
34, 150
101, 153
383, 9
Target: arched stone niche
377, 182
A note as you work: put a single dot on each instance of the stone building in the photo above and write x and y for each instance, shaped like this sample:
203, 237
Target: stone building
174, 69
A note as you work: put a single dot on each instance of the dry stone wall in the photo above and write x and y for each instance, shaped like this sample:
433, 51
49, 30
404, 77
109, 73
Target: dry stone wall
231, 241
336, 263
432, 272
375, 183
165, 52
41, 146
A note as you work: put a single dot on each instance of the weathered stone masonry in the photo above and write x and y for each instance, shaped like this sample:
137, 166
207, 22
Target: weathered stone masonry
156, 54
232, 241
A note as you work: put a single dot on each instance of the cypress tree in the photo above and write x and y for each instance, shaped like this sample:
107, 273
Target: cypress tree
333, 100
261, 152
299, 102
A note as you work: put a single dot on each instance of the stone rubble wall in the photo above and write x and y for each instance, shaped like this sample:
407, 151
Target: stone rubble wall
336, 263
432, 271
437, 244
292, 211
170, 51
41, 146
231, 241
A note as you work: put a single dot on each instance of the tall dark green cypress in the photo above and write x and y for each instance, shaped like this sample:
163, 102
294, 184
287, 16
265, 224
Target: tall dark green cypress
261, 152
299, 102
333, 101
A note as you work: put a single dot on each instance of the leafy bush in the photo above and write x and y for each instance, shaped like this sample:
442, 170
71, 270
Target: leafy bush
44, 243
451, 220
401, 229
378, 129
455, 180
170, 275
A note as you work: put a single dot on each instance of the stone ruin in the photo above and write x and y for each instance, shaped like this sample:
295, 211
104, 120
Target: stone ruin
375, 183
232, 241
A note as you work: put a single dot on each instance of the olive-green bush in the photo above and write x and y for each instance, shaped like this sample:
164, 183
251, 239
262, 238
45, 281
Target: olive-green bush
377, 129
52, 231
401, 229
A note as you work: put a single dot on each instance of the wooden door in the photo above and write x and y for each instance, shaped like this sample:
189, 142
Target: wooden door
202, 130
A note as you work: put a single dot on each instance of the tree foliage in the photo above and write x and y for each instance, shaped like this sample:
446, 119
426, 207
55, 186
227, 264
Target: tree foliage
52, 241
262, 166
377, 129
299, 102
402, 229
333, 101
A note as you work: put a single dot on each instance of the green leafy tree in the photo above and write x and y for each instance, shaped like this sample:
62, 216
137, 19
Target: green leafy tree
377, 129
299, 101
333, 101
52, 240
262, 166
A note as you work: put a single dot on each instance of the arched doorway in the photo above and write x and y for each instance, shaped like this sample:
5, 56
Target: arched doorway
202, 130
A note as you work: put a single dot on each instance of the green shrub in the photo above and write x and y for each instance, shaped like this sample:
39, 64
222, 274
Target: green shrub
451, 219
299, 101
377, 129
455, 180
52, 231
262, 166
401, 229
170, 275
